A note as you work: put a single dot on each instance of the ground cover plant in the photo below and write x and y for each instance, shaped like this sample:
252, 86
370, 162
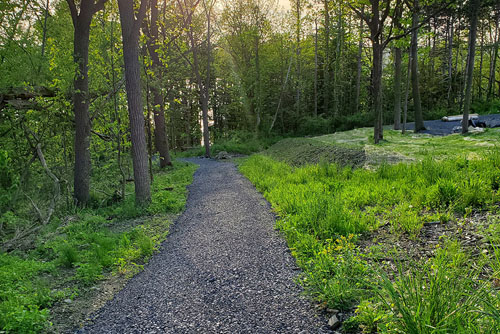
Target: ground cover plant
327, 214
76, 251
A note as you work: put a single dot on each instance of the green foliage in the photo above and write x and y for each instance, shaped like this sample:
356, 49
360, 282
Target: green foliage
79, 253
239, 142
23, 294
323, 208
441, 295
8, 180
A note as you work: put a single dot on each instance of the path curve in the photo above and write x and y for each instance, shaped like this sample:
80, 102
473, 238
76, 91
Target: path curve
222, 269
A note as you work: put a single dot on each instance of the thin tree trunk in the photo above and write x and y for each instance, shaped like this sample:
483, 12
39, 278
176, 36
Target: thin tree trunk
160, 133
206, 95
117, 118
358, 74
315, 68
470, 64
44, 38
326, 68
338, 55
130, 31
298, 25
419, 121
397, 88
148, 122
450, 62
377, 90
480, 78
493, 60
407, 92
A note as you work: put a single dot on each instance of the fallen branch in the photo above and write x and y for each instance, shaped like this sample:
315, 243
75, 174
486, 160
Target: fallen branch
57, 184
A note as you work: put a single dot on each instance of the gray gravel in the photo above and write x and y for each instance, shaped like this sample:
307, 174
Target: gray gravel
223, 269
440, 128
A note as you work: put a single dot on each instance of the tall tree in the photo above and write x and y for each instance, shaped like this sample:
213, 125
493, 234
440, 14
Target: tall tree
326, 65
160, 132
81, 23
494, 55
130, 23
415, 88
359, 63
188, 10
397, 73
375, 21
474, 13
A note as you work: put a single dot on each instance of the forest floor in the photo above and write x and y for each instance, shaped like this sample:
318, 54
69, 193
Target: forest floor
222, 269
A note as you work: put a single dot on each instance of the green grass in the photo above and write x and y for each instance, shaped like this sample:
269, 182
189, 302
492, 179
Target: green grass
412, 146
324, 209
237, 143
74, 255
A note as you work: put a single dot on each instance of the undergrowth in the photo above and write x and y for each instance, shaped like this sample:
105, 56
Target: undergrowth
74, 253
324, 209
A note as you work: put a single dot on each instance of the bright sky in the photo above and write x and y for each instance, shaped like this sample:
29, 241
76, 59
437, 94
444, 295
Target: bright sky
284, 3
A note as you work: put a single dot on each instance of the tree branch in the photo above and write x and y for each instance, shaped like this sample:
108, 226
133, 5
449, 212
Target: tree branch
99, 5
140, 15
73, 11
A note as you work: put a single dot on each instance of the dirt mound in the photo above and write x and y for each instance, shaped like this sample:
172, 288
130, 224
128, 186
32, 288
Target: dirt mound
304, 151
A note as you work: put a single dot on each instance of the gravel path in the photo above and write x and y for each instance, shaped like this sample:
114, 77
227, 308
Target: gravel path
223, 269
441, 128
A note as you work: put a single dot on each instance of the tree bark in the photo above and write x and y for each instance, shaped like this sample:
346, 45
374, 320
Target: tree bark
81, 23
419, 121
315, 68
326, 65
201, 87
358, 74
160, 133
298, 51
450, 61
493, 60
130, 33
476, 4
397, 88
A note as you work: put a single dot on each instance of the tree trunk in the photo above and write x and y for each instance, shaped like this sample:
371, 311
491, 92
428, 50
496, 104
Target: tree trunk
450, 62
407, 91
297, 28
397, 88
201, 88
82, 117
206, 93
130, 32
358, 74
377, 90
315, 68
480, 78
493, 60
338, 55
326, 65
470, 64
160, 133
81, 23
419, 121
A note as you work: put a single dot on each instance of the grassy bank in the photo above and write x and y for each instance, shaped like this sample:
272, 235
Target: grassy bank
336, 221
414, 146
74, 253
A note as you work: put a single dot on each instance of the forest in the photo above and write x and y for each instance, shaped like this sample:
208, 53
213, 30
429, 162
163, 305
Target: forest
101, 101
